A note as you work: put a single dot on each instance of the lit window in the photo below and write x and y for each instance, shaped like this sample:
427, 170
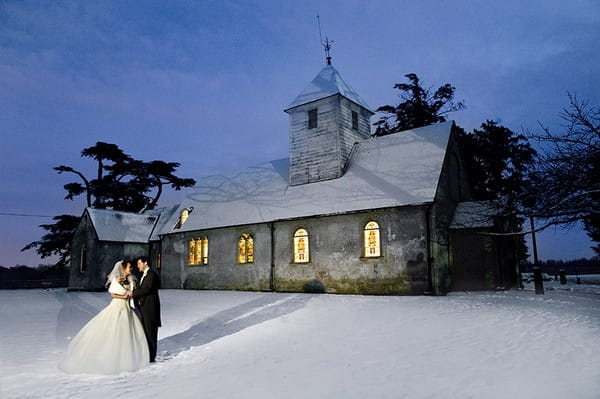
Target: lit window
301, 250
371, 240
158, 260
192, 252
246, 249
83, 260
354, 120
312, 119
205, 251
198, 251
185, 213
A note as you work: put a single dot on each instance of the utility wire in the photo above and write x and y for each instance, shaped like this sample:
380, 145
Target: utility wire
24, 215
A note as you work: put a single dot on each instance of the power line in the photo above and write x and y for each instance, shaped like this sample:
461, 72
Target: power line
24, 215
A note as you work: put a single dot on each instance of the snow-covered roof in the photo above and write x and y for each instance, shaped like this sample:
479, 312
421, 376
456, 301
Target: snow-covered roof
473, 214
164, 215
122, 226
327, 83
394, 170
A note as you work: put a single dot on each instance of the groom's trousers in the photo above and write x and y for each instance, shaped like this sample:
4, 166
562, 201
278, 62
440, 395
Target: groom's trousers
151, 330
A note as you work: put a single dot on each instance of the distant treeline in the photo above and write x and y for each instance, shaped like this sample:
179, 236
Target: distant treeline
577, 266
44, 276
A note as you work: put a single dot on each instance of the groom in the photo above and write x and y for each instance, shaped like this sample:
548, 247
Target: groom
146, 297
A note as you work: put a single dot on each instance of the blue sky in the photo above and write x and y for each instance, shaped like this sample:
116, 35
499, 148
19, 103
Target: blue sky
205, 83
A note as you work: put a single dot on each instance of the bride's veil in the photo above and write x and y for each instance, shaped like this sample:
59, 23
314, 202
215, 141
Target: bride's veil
116, 272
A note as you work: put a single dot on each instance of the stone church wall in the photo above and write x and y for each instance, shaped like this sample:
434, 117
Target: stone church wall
223, 272
452, 188
337, 264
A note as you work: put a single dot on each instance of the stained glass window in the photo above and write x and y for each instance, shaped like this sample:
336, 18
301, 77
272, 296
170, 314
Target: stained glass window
372, 240
301, 248
192, 252
246, 249
198, 251
205, 250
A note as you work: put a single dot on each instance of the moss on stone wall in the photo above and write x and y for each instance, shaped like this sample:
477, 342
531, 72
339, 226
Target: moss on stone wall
378, 286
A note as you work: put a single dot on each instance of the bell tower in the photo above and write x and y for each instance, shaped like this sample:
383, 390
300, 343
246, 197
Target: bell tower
326, 119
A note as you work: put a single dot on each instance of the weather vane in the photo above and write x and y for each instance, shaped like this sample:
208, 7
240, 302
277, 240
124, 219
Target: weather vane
326, 44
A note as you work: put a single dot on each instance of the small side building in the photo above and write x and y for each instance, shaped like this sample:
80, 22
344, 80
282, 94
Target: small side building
483, 251
104, 237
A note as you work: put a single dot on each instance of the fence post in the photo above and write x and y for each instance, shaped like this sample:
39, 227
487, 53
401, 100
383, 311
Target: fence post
563, 277
537, 279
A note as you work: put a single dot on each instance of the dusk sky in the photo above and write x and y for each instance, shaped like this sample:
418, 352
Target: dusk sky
204, 83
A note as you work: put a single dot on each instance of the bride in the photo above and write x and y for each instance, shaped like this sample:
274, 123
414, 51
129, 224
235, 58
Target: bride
113, 341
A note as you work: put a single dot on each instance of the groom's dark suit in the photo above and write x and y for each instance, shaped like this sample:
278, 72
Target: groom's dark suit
147, 300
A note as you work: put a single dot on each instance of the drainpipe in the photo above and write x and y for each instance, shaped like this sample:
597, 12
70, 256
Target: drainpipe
272, 277
429, 257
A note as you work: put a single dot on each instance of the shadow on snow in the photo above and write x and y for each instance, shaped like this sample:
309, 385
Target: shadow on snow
230, 321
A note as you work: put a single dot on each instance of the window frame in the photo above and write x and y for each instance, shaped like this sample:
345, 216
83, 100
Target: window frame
246, 241
295, 254
198, 251
365, 247
313, 118
354, 120
83, 258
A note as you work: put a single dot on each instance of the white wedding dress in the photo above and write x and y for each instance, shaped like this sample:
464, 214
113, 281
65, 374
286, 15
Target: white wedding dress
112, 342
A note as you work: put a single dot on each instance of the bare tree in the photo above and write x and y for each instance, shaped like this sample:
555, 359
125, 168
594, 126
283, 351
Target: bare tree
565, 187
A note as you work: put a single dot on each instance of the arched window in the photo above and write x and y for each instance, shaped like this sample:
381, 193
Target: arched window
301, 248
372, 240
246, 249
198, 251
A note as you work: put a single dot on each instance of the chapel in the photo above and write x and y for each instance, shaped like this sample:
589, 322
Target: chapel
344, 213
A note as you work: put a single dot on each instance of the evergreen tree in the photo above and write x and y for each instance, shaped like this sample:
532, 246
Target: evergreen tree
419, 107
58, 239
121, 183
498, 162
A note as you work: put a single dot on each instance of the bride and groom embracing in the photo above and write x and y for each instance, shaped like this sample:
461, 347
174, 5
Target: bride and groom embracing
116, 340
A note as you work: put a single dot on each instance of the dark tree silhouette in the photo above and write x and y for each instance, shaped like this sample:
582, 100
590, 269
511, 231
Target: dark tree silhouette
419, 107
160, 173
498, 162
58, 239
122, 183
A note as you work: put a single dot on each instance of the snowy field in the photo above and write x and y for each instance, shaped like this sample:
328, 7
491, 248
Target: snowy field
218, 344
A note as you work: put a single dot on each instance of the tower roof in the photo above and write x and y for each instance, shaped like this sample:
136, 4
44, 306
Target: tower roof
327, 83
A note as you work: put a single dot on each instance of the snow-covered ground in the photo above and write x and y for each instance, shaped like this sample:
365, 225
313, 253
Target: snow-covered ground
218, 344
